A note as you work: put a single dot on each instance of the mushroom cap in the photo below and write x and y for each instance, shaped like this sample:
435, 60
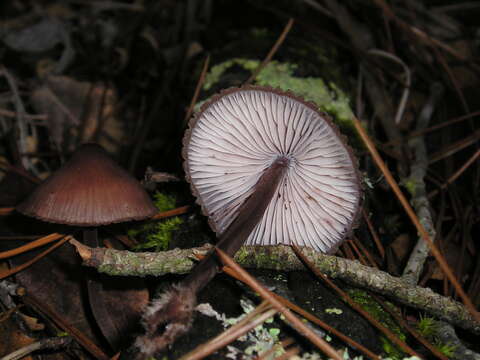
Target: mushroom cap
89, 190
237, 135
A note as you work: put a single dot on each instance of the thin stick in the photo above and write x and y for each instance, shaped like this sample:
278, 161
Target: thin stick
200, 81
408, 209
260, 309
272, 51
374, 234
432, 128
289, 354
8, 167
32, 245
455, 147
169, 213
348, 251
296, 323
365, 251
13, 114
457, 174
50, 343
388, 333
283, 344
7, 273
20, 237
360, 256
6, 211
406, 86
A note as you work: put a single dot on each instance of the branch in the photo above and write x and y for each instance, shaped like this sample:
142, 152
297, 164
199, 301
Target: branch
282, 258
418, 190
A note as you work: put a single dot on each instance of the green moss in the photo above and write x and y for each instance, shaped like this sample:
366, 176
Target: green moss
241, 255
411, 186
216, 72
157, 234
446, 349
427, 327
164, 202
374, 309
259, 32
328, 97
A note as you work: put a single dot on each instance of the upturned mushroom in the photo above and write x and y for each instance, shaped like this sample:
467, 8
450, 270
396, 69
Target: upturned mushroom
267, 168
88, 191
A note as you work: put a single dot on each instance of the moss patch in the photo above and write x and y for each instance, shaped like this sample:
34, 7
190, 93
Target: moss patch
375, 310
427, 327
158, 234
328, 97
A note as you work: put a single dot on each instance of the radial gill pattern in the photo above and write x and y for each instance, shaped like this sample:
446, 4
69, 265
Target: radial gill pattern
239, 133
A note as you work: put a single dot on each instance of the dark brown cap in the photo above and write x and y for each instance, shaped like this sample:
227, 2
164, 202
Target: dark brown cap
89, 190
239, 133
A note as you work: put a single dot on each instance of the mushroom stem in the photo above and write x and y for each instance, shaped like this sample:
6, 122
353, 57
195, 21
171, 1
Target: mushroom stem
96, 299
173, 311
250, 213
90, 237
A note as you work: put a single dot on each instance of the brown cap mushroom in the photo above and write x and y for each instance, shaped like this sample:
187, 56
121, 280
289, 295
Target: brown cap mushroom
89, 190
239, 133
92, 190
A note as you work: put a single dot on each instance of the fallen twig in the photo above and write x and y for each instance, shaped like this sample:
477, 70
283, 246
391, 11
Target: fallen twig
282, 258
418, 191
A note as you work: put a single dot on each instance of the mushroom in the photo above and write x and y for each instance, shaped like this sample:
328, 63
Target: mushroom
88, 191
237, 136
267, 168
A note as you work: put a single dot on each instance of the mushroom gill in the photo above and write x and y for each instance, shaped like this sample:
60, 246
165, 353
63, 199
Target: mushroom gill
236, 137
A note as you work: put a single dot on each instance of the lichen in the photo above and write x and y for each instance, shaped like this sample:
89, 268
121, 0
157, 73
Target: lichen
334, 311
259, 340
158, 234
